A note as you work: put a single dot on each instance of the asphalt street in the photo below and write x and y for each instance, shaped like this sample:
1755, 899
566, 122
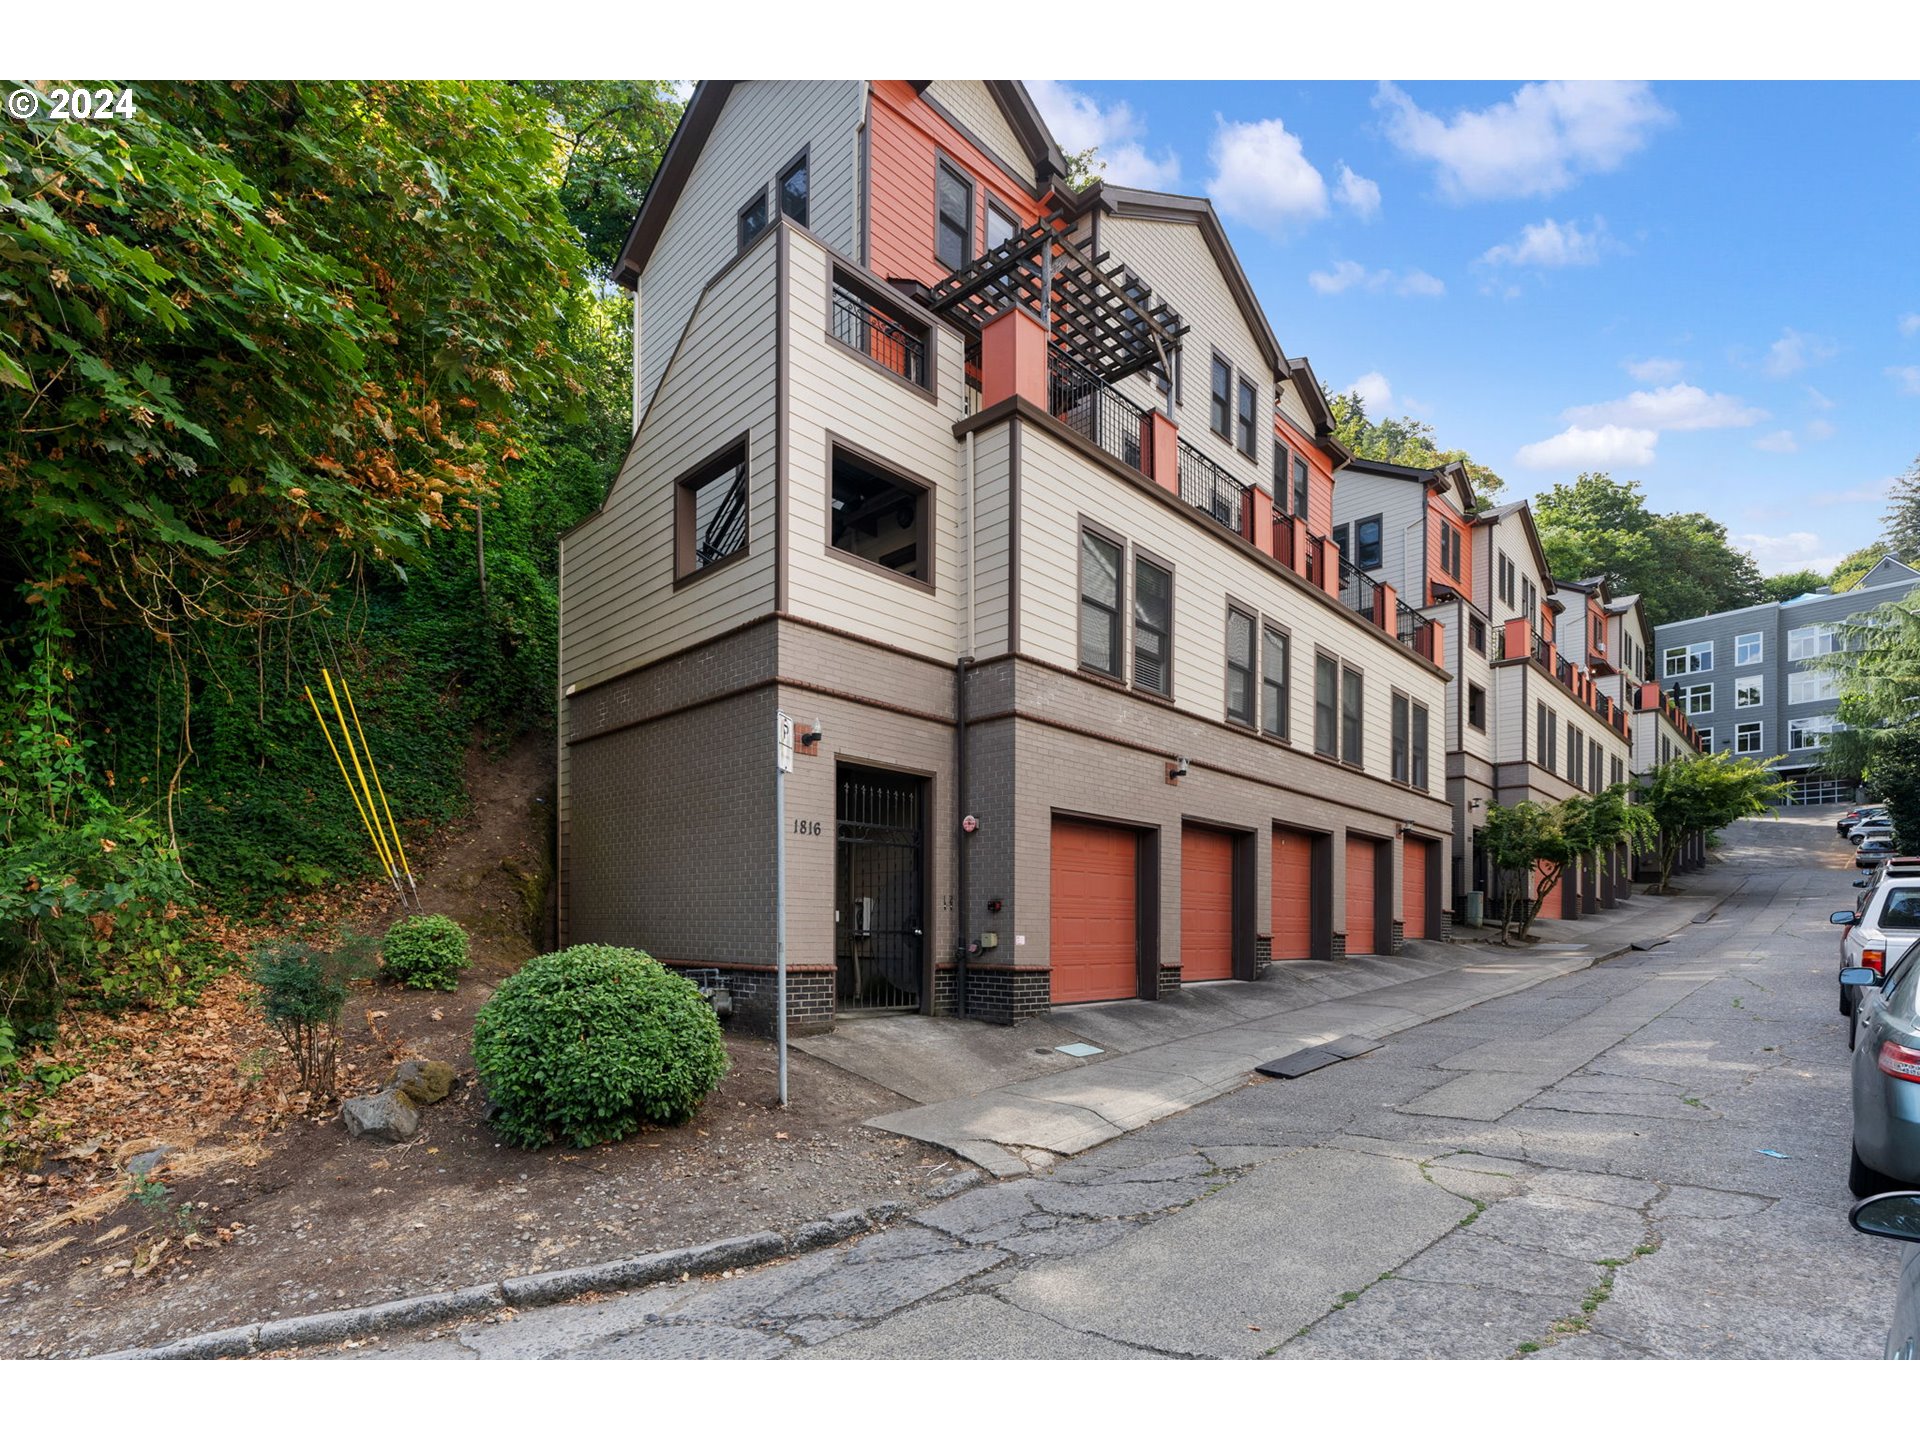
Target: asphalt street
1581, 1170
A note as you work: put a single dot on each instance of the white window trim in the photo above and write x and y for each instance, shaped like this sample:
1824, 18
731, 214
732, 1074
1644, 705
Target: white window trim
1686, 655
1755, 683
1759, 729
1705, 733
1824, 684
1808, 642
1810, 725
1759, 638
1687, 694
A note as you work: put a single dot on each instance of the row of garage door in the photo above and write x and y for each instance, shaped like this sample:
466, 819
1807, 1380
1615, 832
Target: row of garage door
1097, 883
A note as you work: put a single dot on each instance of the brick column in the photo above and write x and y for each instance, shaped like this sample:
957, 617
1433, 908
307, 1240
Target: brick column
1013, 359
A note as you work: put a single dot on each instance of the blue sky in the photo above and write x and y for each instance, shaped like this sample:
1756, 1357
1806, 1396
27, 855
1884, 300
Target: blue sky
1710, 288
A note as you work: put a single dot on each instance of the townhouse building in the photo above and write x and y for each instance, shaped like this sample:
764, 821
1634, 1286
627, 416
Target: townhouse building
1748, 679
1010, 497
1525, 718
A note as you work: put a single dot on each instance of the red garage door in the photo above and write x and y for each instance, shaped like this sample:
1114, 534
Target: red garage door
1206, 905
1413, 888
1360, 855
1292, 895
1094, 924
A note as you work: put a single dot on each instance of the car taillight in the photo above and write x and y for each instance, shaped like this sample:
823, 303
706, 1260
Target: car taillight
1899, 1062
1874, 960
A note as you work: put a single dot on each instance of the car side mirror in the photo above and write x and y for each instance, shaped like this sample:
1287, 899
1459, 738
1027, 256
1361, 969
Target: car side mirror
1841, 917
1861, 883
1895, 1215
1860, 975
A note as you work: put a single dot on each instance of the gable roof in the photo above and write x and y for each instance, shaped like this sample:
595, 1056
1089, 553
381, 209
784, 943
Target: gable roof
1895, 572
1525, 512
1191, 210
1435, 477
703, 110
1306, 384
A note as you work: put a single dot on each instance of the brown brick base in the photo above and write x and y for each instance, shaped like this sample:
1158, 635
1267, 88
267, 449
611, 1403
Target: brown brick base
1005, 996
1262, 955
1169, 981
809, 996
1398, 938
1339, 948
1446, 927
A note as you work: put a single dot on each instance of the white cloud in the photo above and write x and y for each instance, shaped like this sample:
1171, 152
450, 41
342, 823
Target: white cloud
1796, 550
1374, 392
1352, 275
1671, 407
1552, 245
1819, 430
1580, 448
1654, 369
1910, 325
1907, 377
1794, 351
1079, 121
1817, 400
1357, 193
1262, 176
1778, 442
1538, 142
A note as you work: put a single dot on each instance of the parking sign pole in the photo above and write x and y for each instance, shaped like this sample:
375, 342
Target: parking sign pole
783, 762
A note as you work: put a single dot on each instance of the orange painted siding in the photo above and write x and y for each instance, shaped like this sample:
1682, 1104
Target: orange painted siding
1319, 476
1439, 515
904, 145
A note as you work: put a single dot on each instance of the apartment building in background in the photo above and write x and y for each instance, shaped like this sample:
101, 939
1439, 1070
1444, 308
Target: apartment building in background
1009, 495
1748, 679
1524, 719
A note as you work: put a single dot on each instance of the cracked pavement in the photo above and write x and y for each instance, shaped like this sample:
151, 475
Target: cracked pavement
1571, 1172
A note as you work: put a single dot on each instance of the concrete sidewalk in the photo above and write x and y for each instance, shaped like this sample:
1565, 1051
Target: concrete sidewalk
1007, 1100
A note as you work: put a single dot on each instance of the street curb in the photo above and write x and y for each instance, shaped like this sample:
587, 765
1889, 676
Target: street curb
522, 1291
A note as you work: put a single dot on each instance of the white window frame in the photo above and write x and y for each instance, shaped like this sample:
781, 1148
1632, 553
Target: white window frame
1741, 656
1686, 655
1811, 641
1758, 736
1817, 726
1688, 694
1705, 732
1745, 683
1810, 687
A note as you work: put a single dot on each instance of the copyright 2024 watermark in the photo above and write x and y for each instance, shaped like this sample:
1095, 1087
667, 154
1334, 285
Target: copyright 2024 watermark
84, 104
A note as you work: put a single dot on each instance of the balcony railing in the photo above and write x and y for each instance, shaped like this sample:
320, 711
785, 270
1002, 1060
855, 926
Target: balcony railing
1211, 490
1358, 592
1095, 410
861, 325
1415, 630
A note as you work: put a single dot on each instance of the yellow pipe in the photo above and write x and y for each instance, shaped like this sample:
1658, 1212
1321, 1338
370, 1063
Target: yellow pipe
354, 711
380, 843
343, 773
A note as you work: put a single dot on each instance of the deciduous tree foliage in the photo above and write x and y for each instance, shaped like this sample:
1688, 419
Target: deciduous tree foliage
1704, 793
1404, 441
1792, 584
1852, 570
1680, 565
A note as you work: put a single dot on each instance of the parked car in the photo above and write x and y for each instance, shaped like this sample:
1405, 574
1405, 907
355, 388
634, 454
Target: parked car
1886, 1077
1870, 830
1889, 915
1873, 853
1896, 1216
1855, 817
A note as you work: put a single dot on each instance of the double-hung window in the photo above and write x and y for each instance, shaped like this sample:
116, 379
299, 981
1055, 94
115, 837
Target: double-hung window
1221, 416
1300, 487
1249, 433
1506, 576
953, 220
1367, 542
1420, 780
1276, 682
1573, 754
1101, 600
1747, 692
1749, 649
1326, 706
1696, 699
1351, 730
1152, 627
1594, 762
1240, 667
1402, 738
1747, 738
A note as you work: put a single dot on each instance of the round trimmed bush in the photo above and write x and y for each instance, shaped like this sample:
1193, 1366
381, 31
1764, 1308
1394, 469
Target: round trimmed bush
587, 1044
425, 952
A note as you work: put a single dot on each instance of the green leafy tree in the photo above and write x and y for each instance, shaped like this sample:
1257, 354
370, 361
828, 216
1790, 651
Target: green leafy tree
1792, 584
611, 135
1902, 523
1894, 773
1528, 845
1679, 564
1084, 167
1404, 441
1877, 672
1852, 570
1703, 794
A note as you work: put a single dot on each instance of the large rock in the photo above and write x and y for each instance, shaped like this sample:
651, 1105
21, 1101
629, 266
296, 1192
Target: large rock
389, 1116
425, 1082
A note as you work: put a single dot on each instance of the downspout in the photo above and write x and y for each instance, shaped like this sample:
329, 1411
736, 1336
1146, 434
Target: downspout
962, 911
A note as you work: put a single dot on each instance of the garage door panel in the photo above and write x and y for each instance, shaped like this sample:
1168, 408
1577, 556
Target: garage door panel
1206, 905
1360, 896
1292, 920
1413, 889
1094, 931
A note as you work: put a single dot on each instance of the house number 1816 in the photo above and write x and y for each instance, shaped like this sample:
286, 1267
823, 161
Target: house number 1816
806, 827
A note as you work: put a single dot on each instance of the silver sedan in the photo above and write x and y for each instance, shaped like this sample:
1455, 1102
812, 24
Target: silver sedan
1886, 1077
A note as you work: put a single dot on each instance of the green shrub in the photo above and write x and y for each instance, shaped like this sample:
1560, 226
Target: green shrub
587, 1044
303, 989
425, 952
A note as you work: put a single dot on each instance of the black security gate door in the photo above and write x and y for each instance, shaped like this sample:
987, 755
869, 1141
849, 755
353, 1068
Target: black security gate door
879, 916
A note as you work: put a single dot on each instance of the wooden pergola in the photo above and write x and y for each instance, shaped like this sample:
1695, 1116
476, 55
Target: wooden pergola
1100, 318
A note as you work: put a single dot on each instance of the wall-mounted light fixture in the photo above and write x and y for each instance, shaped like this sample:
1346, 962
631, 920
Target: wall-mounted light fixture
1176, 770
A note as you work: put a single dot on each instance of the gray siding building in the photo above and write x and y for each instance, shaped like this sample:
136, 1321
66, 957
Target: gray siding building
1745, 679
